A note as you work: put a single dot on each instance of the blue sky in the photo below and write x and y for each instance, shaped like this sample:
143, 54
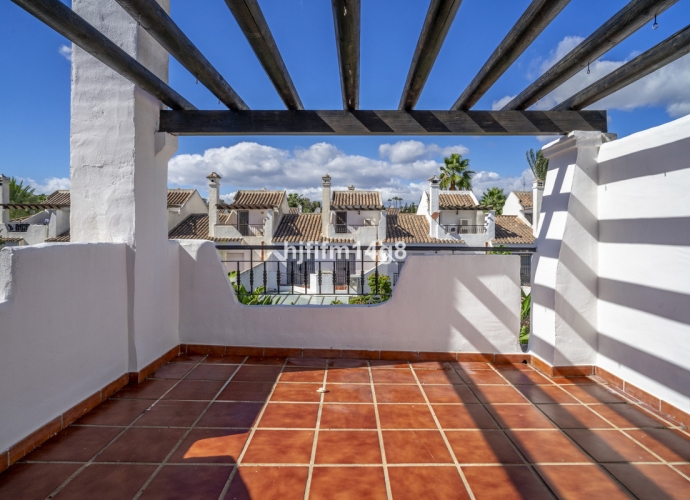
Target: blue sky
35, 91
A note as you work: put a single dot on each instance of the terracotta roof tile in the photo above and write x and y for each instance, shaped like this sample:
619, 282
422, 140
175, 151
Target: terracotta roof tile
195, 227
295, 228
178, 197
460, 200
60, 197
525, 198
356, 200
411, 228
294, 210
392, 211
512, 230
62, 238
11, 240
261, 199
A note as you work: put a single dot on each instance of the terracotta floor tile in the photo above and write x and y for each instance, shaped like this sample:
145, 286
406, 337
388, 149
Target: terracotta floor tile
172, 413
470, 365
651, 481
222, 414
348, 375
405, 417
350, 416
107, 481
430, 365
75, 444
449, 394
438, 377
34, 481
429, 483
573, 416
348, 393
196, 390
519, 417
223, 360
581, 481
593, 394
348, 447
482, 447
573, 381
669, 444
685, 469
399, 394
263, 360
497, 394
246, 391
142, 445
627, 415
482, 377
187, 358
512, 366
610, 446
464, 417
212, 372
348, 363
115, 412
296, 374
410, 447
173, 371
257, 374
399, 376
388, 364
148, 389
298, 393
290, 415
545, 394
525, 377
344, 483
174, 482
268, 483
546, 446
280, 447
313, 362
499, 483
211, 446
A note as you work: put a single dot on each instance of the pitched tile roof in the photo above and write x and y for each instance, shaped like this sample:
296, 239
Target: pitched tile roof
293, 210
178, 197
62, 238
261, 199
512, 230
525, 198
195, 227
11, 240
295, 228
356, 200
60, 197
411, 228
461, 200
392, 211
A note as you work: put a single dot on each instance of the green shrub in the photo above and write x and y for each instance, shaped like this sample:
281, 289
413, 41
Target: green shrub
524, 317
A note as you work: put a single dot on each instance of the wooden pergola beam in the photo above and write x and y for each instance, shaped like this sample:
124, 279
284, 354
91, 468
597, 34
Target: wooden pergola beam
254, 26
674, 47
438, 20
73, 27
153, 18
388, 122
624, 23
535, 19
346, 17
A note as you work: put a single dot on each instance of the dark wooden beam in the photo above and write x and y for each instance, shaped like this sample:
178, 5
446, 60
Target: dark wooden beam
536, 18
390, 122
346, 16
674, 47
624, 23
153, 18
62, 19
438, 20
254, 26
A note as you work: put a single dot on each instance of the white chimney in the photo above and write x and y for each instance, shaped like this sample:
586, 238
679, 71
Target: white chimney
325, 204
537, 193
4, 198
433, 206
213, 199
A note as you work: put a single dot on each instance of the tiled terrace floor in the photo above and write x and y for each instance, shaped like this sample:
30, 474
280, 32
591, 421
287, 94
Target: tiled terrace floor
382, 430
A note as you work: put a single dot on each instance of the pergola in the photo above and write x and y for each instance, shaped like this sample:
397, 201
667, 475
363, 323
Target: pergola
184, 118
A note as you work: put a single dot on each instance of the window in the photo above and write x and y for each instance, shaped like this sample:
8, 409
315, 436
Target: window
243, 222
529, 218
341, 222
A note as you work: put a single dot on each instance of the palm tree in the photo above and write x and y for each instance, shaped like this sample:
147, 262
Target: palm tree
19, 193
456, 175
494, 197
538, 163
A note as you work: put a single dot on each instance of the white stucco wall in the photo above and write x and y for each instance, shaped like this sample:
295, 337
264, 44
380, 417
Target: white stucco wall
442, 303
72, 345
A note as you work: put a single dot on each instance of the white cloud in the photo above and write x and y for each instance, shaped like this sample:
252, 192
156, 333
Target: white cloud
562, 49
49, 185
408, 151
66, 52
485, 180
498, 105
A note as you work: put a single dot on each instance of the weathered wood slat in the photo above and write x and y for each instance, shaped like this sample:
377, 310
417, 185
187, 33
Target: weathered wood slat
624, 23
254, 26
73, 27
346, 17
536, 18
163, 29
438, 20
382, 122
674, 47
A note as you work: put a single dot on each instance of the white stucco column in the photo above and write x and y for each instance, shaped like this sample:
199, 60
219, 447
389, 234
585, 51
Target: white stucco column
213, 199
325, 204
564, 282
119, 170
4, 198
537, 195
434, 219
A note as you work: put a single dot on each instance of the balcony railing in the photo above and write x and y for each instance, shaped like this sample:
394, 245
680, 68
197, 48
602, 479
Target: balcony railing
464, 229
18, 228
249, 229
351, 228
